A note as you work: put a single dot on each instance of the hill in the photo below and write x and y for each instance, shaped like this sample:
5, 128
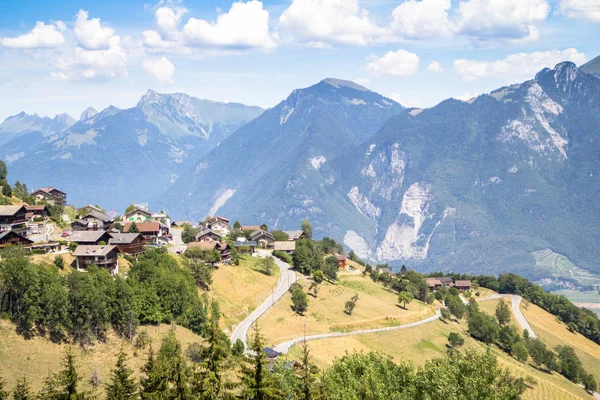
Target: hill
592, 67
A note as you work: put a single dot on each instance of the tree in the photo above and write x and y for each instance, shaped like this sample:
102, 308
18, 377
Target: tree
503, 313
483, 327
445, 314
3, 393
307, 373
22, 390
352, 256
130, 208
133, 228
238, 348
59, 262
318, 276
589, 382
307, 229
122, 386
455, 339
299, 300
569, 364
152, 383
540, 354
405, 298
351, 304
264, 227
519, 351
330, 269
456, 306
314, 287
403, 270
189, 234
237, 225
280, 236
257, 383
267, 264
68, 378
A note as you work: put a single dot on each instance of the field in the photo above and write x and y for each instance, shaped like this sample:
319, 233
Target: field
37, 357
560, 266
489, 307
376, 307
589, 300
239, 289
555, 333
69, 261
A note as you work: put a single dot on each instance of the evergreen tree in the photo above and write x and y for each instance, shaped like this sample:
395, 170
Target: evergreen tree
502, 313
22, 391
152, 384
237, 225
133, 228
122, 386
68, 378
307, 229
403, 270
257, 384
307, 374
3, 393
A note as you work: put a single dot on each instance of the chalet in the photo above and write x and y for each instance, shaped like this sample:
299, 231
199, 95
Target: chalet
446, 281
295, 235
341, 262
137, 215
218, 224
433, 283
8, 238
250, 228
162, 218
151, 231
51, 196
13, 218
271, 353
223, 248
263, 238
102, 256
93, 221
207, 235
37, 212
246, 243
463, 285
89, 237
128, 243
287, 246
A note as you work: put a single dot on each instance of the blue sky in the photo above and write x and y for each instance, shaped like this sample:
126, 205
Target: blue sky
63, 56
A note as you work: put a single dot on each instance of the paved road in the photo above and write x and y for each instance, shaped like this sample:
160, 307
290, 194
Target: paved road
177, 244
285, 347
44, 234
516, 301
286, 277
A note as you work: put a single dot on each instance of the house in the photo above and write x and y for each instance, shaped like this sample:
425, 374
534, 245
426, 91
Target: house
180, 224
89, 237
37, 212
433, 283
341, 262
128, 243
223, 248
463, 285
207, 235
51, 196
246, 243
218, 224
103, 256
8, 238
295, 235
385, 270
446, 281
271, 353
263, 238
137, 215
162, 218
13, 218
151, 231
287, 246
48, 247
250, 228
94, 221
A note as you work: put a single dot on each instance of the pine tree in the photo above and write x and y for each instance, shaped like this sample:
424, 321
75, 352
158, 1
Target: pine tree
69, 378
50, 390
133, 228
255, 378
3, 393
122, 386
307, 373
152, 385
22, 391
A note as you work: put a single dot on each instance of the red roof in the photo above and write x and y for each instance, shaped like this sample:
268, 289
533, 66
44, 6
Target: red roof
143, 227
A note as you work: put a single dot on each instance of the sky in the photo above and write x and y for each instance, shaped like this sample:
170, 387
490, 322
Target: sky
64, 56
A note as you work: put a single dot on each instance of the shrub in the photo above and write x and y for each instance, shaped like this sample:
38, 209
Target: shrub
283, 256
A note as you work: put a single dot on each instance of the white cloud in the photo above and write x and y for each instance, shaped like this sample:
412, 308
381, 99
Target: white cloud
489, 20
515, 67
435, 66
466, 96
422, 19
167, 21
406, 102
94, 64
246, 25
396, 63
581, 9
90, 34
160, 68
335, 22
41, 36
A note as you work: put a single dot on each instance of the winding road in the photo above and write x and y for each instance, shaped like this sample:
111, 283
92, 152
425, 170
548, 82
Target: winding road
516, 301
286, 277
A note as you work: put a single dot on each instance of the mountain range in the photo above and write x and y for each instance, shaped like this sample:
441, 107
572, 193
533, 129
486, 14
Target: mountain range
474, 185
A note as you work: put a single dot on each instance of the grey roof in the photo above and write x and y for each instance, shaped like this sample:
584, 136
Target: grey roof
202, 230
138, 209
260, 233
247, 243
293, 235
5, 233
86, 236
9, 211
286, 245
87, 250
98, 215
122, 238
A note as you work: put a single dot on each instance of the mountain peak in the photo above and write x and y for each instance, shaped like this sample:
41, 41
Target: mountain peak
149, 97
338, 83
88, 113
591, 67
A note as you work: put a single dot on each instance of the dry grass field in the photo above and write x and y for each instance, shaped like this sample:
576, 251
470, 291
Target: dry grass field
376, 307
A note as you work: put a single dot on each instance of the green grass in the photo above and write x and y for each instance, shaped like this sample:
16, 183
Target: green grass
559, 266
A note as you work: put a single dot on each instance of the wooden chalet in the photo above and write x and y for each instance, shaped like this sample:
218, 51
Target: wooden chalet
151, 231
222, 247
251, 244
463, 285
207, 235
433, 283
128, 243
89, 237
341, 262
13, 218
103, 256
37, 212
9, 238
138, 215
218, 224
51, 196
94, 221
263, 238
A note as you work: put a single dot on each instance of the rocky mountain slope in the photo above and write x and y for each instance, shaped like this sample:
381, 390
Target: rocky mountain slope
116, 157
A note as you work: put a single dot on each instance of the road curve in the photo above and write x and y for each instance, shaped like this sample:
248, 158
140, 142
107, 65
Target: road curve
285, 346
286, 277
516, 301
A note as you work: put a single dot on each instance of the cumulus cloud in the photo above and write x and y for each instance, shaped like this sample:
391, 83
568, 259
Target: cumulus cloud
90, 34
396, 63
588, 10
489, 20
515, 67
466, 96
317, 23
422, 19
160, 68
41, 36
435, 66
167, 21
94, 64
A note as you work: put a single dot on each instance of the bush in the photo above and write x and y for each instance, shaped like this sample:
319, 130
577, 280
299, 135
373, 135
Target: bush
59, 262
283, 256
237, 349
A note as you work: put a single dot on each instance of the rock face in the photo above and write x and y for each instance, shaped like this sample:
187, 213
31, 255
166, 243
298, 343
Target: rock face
116, 157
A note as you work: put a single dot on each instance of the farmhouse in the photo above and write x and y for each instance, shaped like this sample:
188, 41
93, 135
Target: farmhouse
263, 238
207, 235
223, 248
433, 283
151, 231
218, 224
463, 285
128, 243
286, 246
93, 221
89, 237
51, 196
8, 238
102, 256
13, 218
247, 243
